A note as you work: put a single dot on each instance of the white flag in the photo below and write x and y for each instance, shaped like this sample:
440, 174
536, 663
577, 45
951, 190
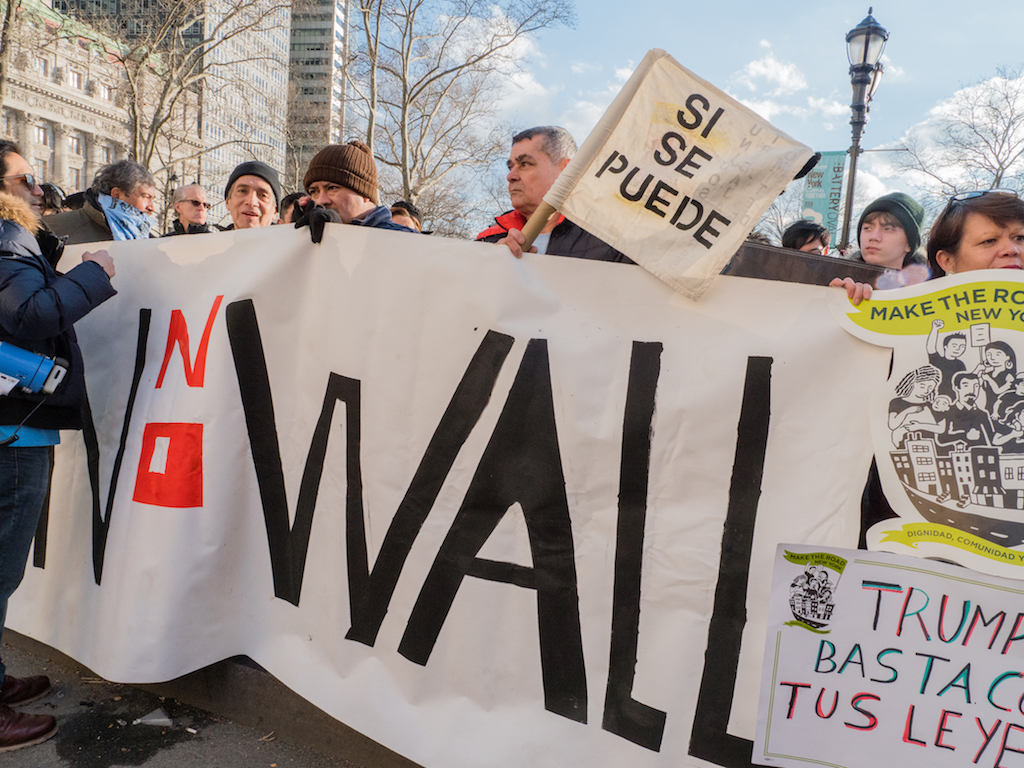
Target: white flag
676, 174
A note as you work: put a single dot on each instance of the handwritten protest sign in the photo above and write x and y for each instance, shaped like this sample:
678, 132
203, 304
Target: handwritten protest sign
676, 174
906, 662
948, 427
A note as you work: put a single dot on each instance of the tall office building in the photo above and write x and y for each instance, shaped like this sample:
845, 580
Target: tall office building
316, 91
244, 101
242, 97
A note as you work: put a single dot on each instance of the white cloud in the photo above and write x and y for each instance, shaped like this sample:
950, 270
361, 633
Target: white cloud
768, 72
584, 67
891, 71
622, 74
829, 107
581, 117
765, 44
768, 109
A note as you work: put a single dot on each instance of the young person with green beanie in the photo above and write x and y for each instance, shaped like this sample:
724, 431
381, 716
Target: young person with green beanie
889, 235
889, 232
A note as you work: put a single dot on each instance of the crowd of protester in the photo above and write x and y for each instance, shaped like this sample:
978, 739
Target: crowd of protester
39, 306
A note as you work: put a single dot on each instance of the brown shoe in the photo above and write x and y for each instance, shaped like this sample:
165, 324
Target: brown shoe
22, 690
19, 730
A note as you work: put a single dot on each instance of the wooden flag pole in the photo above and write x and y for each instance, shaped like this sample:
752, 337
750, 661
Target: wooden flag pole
536, 223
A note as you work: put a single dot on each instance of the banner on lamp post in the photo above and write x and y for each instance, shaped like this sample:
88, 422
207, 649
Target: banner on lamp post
823, 192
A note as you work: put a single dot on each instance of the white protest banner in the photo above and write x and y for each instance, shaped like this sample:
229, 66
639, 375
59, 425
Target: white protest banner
949, 424
676, 174
461, 502
904, 662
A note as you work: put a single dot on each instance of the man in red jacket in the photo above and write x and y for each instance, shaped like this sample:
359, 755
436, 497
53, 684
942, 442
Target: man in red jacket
538, 156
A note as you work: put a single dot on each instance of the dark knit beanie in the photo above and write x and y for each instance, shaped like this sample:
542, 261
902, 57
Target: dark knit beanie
255, 168
907, 211
351, 165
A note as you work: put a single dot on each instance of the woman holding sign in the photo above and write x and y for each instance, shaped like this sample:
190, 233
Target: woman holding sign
976, 230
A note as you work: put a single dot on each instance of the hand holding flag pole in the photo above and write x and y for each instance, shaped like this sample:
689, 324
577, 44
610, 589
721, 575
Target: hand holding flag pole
675, 175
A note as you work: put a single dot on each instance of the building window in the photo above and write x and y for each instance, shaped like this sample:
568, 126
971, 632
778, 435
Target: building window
43, 66
40, 167
42, 135
75, 78
106, 156
75, 176
75, 145
1009, 473
105, 92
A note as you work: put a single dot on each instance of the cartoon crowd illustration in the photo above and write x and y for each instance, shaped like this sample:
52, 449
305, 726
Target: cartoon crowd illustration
957, 425
810, 596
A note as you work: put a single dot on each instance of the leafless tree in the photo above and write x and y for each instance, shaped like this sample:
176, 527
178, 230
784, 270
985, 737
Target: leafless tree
174, 51
427, 75
974, 140
784, 210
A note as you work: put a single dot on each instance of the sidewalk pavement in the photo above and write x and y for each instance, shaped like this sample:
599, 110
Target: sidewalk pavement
97, 722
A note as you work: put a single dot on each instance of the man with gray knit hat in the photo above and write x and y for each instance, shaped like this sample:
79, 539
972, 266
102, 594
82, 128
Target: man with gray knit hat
252, 195
889, 232
343, 178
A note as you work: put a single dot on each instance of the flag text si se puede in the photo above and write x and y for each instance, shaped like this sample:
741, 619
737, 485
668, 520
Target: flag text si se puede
683, 157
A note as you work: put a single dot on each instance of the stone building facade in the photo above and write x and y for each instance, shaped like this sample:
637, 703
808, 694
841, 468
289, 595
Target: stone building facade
63, 103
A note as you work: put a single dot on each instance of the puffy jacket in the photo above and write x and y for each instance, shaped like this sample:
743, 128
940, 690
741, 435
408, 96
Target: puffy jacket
38, 309
567, 239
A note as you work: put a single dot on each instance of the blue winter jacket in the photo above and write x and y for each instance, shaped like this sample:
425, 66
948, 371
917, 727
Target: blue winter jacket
38, 309
380, 218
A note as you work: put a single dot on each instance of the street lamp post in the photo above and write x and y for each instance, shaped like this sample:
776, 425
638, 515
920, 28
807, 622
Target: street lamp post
865, 44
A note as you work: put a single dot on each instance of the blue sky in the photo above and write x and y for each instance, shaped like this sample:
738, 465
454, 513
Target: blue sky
789, 65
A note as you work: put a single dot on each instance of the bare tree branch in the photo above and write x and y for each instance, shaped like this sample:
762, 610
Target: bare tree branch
974, 140
426, 79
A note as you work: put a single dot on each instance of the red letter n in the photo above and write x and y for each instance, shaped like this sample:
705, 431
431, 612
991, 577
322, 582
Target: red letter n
178, 334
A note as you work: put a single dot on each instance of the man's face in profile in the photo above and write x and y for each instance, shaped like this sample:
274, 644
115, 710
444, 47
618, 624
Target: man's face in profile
530, 174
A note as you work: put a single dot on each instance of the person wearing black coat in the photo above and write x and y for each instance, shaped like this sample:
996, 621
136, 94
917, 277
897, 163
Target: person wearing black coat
38, 310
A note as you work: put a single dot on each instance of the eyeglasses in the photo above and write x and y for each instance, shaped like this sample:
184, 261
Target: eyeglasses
198, 204
980, 193
30, 180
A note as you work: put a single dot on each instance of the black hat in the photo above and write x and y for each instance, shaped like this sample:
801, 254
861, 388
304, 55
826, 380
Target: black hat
255, 168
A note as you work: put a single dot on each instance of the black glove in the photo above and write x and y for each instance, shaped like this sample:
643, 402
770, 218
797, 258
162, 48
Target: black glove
315, 216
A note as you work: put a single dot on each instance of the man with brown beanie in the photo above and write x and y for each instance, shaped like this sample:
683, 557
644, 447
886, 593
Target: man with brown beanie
343, 179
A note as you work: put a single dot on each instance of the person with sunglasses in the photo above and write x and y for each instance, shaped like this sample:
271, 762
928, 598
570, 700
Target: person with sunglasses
978, 230
16, 176
191, 206
38, 308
